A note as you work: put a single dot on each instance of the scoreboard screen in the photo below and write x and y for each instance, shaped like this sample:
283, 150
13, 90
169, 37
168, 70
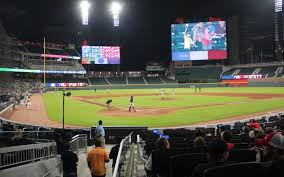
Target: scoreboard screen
100, 55
199, 41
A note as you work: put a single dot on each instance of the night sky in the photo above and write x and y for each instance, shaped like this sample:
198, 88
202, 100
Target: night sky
144, 33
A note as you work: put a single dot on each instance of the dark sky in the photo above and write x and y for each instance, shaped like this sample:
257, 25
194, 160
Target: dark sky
144, 34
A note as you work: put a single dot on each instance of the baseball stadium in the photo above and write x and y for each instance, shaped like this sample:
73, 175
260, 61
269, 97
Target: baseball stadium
129, 88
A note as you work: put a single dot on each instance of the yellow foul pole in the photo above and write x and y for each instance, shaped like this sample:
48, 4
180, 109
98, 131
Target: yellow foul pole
44, 62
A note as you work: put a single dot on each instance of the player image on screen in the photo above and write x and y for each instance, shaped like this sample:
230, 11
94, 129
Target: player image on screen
199, 41
100, 55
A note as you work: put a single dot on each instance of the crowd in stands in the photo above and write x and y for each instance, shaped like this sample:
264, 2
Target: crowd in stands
257, 144
13, 90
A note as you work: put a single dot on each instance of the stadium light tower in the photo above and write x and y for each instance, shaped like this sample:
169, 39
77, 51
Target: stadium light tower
115, 10
85, 5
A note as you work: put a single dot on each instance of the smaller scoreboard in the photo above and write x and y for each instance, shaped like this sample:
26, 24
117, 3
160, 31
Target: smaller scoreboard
100, 55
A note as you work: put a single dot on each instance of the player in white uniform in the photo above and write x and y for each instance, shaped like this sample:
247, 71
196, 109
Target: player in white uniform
29, 104
173, 92
131, 105
162, 92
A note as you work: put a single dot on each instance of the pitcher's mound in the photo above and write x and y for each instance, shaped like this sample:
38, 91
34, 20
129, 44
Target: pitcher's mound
139, 112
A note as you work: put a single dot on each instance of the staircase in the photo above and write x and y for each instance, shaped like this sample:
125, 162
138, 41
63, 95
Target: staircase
279, 72
89, 81
126, 79
236, 72
162, 81
256, 71
107, 81
145, 81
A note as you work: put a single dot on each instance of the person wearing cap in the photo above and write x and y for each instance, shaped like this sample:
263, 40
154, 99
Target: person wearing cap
254, 125
274, 148
217, 154
227, 137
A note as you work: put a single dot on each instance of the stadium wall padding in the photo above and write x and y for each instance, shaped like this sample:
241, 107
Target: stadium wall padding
266, 82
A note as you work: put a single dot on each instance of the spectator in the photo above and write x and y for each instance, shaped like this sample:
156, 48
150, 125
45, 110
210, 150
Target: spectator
199, 132
96, 159
274, 150
245, 134
253, 124
100, 134
281, 129
218, 155
227, 137
114, 152
69, 160
269, 130
199, 142
163, 145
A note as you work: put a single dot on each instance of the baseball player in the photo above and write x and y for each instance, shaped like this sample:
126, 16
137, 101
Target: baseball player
131, 106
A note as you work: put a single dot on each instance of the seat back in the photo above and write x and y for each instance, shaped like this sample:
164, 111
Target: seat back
246, 169
242, 155
182, 165
160, 163
276, 169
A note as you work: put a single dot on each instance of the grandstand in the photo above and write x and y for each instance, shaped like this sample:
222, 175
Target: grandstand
153, 80
136, 80
269, 70
117, 80
99, 81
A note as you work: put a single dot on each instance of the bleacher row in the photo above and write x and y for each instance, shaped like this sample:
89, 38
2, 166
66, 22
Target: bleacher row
269, 71
214, 73
112, 80
183, 155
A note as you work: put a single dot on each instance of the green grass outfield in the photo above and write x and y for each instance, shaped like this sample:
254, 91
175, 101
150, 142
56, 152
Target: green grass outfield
86, 114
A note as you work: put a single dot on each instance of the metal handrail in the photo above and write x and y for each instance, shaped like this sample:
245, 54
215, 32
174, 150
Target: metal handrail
78, 143
53, 168
10, 156
119, 154
129, 169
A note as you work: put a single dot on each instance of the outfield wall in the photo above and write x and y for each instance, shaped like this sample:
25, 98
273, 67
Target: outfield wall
267, 82
150, 86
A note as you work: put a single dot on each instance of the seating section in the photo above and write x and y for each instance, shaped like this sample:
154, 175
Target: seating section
98, 81
268, 71
34, 49
265, 71
72, 52
117, 80
200, 74
168, 81
183, 156
135, 80
236, 170
66, 80
246, 71
53, 65
55, 51
153, 80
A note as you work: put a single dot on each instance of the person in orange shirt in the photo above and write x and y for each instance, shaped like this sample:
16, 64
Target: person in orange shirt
96, 159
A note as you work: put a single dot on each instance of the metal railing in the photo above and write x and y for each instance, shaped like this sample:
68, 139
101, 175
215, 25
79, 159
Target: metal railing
49, 172
123, 149
15, 155
79, 143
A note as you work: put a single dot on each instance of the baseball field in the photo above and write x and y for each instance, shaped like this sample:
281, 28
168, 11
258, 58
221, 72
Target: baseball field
185, 107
